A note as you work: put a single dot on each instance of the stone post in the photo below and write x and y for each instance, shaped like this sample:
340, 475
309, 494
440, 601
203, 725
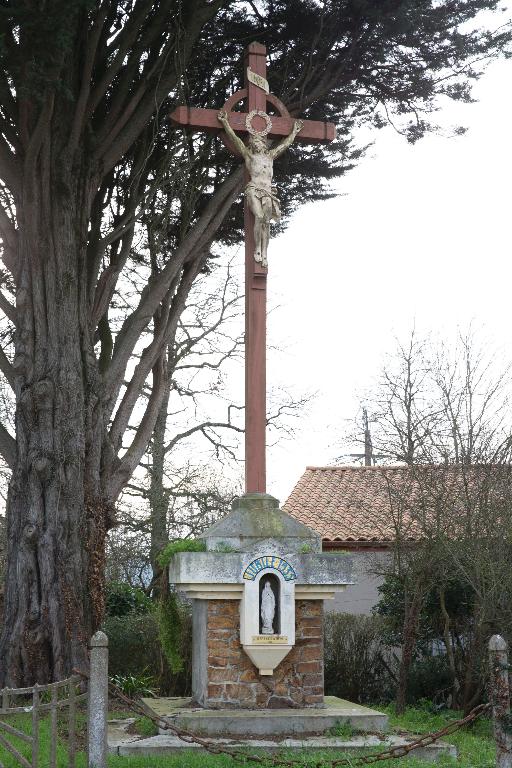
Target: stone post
500, 699
98, 702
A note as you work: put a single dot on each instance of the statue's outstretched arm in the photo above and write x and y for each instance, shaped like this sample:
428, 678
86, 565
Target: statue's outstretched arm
288, 141
237, 141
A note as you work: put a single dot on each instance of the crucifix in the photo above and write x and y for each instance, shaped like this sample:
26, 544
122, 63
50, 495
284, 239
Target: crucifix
261, 205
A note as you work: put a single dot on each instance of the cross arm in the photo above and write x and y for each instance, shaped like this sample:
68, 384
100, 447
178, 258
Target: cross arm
207, 120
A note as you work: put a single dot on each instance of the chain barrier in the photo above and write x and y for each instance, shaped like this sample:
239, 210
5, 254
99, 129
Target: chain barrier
238, 754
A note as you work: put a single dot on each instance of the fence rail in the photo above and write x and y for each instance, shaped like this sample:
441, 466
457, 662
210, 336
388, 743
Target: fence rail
40, 700
51, 701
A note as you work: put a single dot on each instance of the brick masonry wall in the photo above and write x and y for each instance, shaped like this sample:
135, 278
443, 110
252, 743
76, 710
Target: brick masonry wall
234, 681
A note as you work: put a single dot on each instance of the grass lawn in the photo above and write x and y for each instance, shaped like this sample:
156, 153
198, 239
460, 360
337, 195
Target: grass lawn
475, 745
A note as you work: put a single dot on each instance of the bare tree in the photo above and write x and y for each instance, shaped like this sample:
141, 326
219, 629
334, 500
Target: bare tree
454, 495
400, 410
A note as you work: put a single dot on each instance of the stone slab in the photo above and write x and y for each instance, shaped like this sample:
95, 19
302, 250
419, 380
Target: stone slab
118, 735
168, 745
191, 568
272, 723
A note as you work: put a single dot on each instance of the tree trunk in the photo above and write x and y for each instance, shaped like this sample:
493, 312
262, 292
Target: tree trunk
449, 649
57, 515
473, 683
410, 633
157, 499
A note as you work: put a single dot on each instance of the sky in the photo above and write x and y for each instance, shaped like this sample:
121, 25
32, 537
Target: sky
417, 236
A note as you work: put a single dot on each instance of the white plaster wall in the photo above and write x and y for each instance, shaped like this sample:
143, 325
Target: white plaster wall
363, 595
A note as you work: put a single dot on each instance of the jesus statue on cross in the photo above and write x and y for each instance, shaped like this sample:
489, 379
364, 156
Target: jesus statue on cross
261, 206
259, 161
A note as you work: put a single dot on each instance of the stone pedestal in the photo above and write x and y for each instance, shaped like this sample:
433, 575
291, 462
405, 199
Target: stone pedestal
237, 663
227, 678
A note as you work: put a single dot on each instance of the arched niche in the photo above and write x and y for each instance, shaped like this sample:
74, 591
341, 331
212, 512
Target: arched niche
275, 587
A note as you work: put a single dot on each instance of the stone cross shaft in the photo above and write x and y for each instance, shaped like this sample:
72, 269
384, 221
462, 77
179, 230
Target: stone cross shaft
255, 95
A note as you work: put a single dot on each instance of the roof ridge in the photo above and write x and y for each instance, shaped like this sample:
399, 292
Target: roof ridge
356, 466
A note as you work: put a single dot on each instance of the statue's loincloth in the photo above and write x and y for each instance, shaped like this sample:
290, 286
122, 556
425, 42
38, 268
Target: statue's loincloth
264, 194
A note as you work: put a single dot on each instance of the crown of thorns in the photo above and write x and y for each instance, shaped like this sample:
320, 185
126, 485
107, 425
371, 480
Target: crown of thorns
251, 129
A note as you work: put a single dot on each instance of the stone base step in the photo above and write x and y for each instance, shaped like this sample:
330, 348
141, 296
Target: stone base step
274, 723
169, 744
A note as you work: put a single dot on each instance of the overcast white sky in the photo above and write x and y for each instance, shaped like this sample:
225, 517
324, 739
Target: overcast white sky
421, 234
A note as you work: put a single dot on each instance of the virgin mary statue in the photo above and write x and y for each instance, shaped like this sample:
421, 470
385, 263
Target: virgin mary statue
268, 609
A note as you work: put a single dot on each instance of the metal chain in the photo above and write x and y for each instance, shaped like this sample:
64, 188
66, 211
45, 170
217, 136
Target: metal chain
237, 754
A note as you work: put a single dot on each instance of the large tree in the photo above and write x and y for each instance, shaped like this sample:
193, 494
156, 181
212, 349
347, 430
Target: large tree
89, 165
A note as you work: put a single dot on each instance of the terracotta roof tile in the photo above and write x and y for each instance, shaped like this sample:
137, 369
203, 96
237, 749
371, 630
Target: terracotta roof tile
348, 503
368, 504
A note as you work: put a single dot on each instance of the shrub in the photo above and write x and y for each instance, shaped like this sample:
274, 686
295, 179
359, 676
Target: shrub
135, 650
176, 645
172, 617
430, 679
356, 660
179, 545
122, 599
133, 644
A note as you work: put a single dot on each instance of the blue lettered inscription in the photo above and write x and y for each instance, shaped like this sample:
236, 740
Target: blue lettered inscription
269, 561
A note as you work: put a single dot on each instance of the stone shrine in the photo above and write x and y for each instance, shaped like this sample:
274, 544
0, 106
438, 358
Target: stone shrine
257, 591
257, 597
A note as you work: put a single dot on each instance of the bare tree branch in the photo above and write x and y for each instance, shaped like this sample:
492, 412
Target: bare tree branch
162, 339
201, 428
133, 455
197, 239
6, 368
89, 58
7, 447
7, 308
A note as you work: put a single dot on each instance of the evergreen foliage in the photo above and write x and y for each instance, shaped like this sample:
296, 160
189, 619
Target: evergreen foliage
172, 615
133, 644
122, 599
391, 607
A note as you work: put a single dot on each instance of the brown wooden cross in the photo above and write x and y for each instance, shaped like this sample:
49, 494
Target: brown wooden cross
256, 96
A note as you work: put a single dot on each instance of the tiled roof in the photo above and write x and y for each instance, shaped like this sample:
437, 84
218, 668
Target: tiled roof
366, 506
350, 503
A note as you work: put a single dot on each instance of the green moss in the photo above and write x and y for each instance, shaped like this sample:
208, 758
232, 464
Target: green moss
341, 730
224, 547
144, 727
274, 522
179, 545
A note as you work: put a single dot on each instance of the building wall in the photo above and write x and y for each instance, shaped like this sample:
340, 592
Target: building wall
363, 595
